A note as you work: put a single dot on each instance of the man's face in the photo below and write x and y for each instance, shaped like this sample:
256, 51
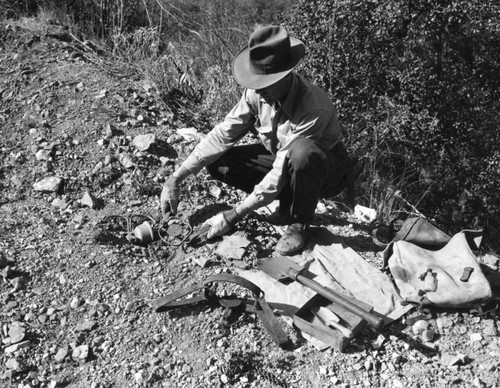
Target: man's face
275, 92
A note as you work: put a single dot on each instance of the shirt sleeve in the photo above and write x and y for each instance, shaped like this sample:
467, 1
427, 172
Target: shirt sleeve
312, 125
223, 136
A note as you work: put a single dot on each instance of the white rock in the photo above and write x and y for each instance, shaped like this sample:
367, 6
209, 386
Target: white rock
50, 184
419, 327
489, 329
443, 323
16, 347
364, 213
321, 208
63, 279
81, 353
141, 377
61, 354
76, 302
17, 283
59, 203
490, 260
16, 180
397, 383
16, 365
189, 134
110, 131
377, 344
144, 142
43, 154
88, 200
86, 326
452, 359
16, 332
126, 161
97, 167
224, 379
476, 337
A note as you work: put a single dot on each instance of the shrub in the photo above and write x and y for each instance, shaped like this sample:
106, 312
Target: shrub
417, 87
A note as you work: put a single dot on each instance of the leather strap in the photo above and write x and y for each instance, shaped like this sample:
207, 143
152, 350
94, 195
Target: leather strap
225, 277
271, 323
260, 308
170, 301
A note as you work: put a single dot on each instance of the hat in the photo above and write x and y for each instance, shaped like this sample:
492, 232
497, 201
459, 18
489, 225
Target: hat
271, 54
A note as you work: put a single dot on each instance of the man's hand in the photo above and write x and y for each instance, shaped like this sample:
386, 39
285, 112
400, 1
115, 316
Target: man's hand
222, 223
169, 200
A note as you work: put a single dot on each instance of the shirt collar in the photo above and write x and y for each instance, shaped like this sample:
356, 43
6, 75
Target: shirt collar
288, 105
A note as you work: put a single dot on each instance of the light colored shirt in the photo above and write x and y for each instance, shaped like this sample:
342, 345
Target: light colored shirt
306, 112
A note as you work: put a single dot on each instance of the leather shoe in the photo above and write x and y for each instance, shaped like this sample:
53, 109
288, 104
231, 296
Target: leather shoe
293, 240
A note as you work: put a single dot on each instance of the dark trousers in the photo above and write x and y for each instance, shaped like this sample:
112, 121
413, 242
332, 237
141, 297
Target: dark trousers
313, 171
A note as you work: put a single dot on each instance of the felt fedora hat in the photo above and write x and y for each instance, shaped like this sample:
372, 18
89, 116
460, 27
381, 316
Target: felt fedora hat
271, 54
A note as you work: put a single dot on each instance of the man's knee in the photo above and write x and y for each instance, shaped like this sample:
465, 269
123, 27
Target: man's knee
218, 170
305, 152
213, 170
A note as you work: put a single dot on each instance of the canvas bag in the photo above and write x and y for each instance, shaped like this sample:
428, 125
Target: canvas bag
431, 268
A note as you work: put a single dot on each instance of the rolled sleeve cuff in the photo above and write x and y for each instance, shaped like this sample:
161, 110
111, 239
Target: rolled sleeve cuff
250, 203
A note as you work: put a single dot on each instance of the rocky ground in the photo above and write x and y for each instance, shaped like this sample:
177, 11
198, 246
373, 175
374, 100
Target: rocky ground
84, 138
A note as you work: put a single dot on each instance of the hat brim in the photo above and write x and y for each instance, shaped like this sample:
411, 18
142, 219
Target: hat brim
244, 76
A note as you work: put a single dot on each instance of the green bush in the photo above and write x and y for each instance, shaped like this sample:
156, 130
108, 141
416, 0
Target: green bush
417, 87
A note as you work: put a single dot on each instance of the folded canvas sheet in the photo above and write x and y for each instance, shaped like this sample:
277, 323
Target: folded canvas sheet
336, 266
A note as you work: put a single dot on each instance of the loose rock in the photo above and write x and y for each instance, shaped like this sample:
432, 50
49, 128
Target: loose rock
126, 161
443, 323
17, 332
489, 329
59, 203
76, 302
476, 337
86, 326
81, 353
16, 347
110, 131
453, 359
144, 142
419, 327
18, 283
88, 200
51, 184
16, 365
61, 354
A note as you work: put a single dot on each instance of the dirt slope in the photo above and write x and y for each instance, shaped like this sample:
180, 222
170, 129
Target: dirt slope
75, 296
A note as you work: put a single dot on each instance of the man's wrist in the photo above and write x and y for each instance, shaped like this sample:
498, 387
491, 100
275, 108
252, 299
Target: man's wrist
232, 216
180, 174
250, 203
